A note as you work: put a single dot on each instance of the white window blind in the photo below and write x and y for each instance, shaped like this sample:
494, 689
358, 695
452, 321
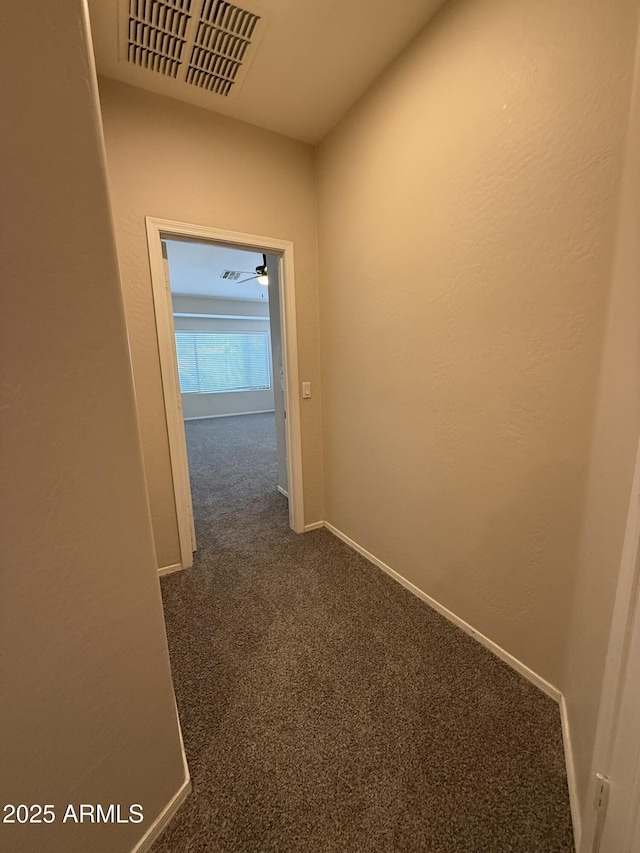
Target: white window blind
223, 361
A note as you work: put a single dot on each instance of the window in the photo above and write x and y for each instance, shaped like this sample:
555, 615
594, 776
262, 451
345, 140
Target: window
223, 361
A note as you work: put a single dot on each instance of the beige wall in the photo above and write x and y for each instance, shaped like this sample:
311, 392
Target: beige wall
170, 160
467, 219
613, 452
87, 712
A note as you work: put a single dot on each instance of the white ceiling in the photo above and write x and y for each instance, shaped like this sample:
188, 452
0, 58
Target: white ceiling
195, 269
313, 61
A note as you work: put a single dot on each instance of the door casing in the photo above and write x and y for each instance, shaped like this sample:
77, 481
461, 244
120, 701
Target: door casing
613, 827
157, 229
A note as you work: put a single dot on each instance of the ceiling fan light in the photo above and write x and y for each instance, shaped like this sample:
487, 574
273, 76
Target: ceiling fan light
263, 280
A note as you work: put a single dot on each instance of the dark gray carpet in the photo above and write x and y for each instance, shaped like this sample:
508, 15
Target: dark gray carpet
325, 708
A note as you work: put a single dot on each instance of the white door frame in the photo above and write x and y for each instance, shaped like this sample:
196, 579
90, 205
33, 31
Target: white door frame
613, 803
156, 230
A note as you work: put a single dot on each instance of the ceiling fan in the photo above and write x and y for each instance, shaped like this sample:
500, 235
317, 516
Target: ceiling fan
261, 274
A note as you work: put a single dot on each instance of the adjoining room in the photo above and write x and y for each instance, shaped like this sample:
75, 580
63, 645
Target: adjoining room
228, 355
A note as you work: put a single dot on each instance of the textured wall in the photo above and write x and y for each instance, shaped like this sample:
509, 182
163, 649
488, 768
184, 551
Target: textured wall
174, 161
87, 713
615, 442
467, 220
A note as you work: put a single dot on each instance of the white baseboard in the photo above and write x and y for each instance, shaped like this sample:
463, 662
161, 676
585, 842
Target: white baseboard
497, 650
229, 415
572, 782
315, 526
164, 818
167, 570
283, 492
166, 815
504, 655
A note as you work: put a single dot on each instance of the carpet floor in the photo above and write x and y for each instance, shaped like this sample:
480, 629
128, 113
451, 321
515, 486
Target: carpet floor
324, 707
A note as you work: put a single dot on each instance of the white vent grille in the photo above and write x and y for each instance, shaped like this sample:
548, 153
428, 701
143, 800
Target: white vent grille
231, 275
222, 38
157, 34
206, 43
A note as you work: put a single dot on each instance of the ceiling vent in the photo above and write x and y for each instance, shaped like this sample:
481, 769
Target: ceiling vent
157, 32
203, 43
223, 35
231, 275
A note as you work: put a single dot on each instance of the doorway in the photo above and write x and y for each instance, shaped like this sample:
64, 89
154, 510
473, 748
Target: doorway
256, 329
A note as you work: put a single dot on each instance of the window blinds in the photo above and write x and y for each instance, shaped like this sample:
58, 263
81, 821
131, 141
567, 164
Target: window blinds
223, 361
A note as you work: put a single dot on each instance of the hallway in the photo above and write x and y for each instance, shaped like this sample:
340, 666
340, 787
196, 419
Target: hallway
323, 706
